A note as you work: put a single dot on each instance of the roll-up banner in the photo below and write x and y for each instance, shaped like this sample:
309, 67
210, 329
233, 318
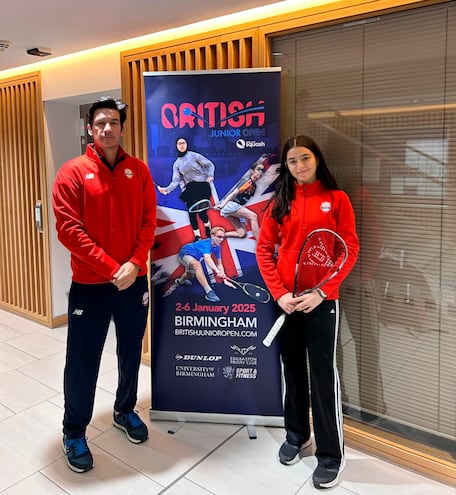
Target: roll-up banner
213, 146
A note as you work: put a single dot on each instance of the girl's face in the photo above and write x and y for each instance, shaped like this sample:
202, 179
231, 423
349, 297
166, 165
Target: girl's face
181, 145
257, 172
302, 164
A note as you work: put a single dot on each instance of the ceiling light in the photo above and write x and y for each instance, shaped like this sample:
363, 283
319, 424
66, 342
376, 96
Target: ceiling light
4, 44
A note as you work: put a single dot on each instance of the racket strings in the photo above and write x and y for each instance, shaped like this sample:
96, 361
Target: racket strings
257, 292
318, 256
322, 252
321, 258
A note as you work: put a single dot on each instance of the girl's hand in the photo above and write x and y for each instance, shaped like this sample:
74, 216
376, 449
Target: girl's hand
308, 302
287, 302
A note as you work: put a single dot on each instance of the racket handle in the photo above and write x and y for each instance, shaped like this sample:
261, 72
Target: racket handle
274, 330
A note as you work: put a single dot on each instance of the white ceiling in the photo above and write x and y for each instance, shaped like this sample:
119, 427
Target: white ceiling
69, 26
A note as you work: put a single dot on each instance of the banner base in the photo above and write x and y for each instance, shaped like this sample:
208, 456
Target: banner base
234, 419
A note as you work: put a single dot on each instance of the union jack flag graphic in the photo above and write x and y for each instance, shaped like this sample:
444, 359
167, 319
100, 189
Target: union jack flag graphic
174, 230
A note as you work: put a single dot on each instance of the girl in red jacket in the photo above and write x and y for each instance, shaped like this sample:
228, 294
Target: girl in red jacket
306, 198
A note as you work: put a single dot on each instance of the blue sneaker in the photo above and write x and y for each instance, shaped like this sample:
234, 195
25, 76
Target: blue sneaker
79, 458
212, 296
132, 425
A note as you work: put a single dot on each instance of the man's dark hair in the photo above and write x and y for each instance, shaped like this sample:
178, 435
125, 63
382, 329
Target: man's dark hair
108, 102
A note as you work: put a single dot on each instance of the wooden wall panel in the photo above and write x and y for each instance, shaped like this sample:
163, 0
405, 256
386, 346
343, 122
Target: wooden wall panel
24, 258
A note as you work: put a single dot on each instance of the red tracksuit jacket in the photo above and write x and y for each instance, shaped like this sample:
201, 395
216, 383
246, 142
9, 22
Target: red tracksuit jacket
104, 217
314, 206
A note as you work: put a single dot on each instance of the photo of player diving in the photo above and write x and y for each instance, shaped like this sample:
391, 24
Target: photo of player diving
233, 206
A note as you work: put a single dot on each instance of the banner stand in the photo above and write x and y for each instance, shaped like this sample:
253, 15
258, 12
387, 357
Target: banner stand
251, 430
233, 419
213, 150
177, 427
250, 425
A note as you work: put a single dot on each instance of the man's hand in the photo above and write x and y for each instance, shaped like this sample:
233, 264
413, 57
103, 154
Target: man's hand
125, 276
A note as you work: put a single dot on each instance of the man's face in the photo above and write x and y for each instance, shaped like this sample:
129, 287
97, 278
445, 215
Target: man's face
217, 238
106, 129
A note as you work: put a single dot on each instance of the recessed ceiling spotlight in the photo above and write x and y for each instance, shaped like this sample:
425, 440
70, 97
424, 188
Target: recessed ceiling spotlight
39, 51
4, 44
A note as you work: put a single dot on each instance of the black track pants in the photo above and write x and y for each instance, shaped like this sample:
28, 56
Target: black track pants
313, 335
91, 308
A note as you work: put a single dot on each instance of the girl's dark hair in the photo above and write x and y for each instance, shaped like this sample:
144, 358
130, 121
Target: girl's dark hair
284, 191
113, 104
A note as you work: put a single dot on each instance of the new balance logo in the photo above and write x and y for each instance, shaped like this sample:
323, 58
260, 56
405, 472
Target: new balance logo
78, 312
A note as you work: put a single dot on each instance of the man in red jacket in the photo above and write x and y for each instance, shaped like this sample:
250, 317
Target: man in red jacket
105, 207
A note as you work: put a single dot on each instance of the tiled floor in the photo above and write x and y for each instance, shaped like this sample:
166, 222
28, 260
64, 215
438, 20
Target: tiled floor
199, 459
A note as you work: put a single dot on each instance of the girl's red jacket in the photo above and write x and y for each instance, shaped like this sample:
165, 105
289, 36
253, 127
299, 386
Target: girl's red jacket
314, 206
104, 217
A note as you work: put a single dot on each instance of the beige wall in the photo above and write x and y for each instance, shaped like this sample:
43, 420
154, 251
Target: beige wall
81, 75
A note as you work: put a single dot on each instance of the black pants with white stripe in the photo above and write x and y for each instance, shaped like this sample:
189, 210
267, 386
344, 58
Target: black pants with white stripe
313, 335
90, 310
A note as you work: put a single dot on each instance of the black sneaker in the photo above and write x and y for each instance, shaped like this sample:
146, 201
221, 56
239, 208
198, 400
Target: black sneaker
327, 473
132, 425
79, 458
289, 454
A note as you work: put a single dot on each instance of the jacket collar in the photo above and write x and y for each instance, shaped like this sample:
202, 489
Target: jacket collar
96, 154
309, 189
